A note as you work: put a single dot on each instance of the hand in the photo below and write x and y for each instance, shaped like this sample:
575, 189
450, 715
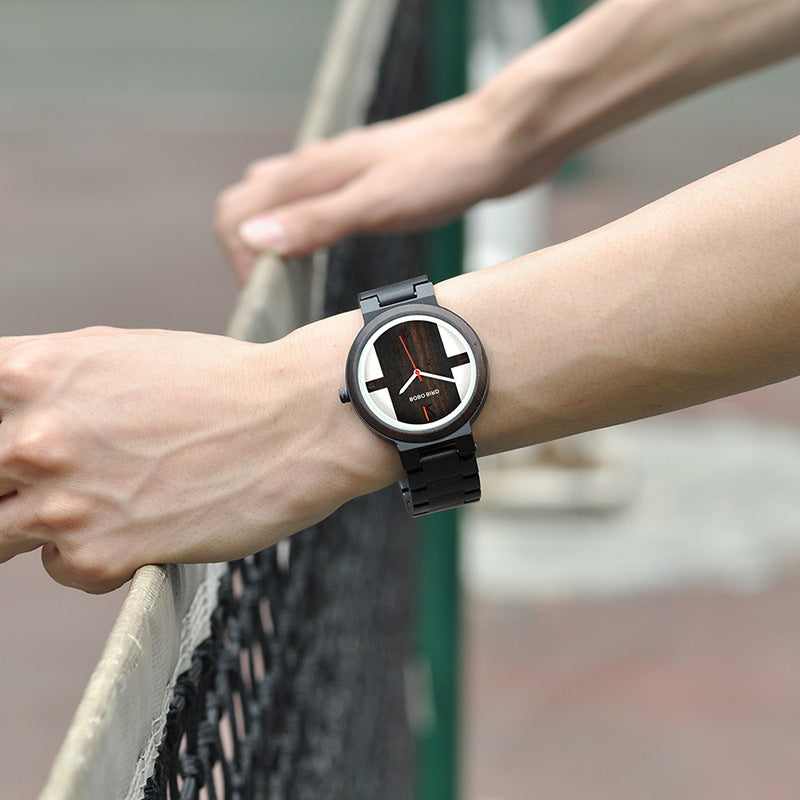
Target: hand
123, 448
408, 173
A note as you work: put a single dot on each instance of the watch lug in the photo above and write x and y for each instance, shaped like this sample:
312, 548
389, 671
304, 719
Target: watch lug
416, 290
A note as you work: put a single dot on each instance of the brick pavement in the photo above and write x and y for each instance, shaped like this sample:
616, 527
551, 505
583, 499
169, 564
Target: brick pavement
691, 694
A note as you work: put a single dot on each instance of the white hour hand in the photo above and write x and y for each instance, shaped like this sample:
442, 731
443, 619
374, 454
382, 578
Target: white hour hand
408, 382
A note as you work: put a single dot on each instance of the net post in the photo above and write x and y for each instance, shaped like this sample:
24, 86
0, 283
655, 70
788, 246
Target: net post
439, 638
556, 14
439, 601
559, 12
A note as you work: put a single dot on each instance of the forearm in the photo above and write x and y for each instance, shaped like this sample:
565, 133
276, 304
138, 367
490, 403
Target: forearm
621, 59
691, 298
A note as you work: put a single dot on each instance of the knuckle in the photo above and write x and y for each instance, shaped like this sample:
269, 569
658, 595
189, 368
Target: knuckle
24, 369
40, 442
103, 330
257, 168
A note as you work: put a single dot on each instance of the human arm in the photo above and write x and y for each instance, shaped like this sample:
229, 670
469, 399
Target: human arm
122, 448
617, 61
691, 298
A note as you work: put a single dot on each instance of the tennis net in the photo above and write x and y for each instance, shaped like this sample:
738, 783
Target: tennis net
281, 675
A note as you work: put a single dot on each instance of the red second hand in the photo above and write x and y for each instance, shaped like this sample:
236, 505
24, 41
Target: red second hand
416, 371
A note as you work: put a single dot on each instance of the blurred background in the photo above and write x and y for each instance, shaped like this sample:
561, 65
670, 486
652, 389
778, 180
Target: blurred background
638, 637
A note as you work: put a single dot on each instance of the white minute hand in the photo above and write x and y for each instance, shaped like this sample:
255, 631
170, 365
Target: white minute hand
438, 377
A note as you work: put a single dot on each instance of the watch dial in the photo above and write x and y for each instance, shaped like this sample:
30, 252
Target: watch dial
417, 371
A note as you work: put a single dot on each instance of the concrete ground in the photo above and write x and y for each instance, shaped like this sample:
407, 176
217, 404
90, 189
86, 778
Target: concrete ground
120, 122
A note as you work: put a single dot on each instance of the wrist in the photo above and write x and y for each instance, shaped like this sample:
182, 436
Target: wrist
531, 108
356, 460
607, 67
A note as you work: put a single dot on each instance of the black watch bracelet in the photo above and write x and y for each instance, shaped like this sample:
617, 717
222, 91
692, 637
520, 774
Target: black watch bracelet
417, 375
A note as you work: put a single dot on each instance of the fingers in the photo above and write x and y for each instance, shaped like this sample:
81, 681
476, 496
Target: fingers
30, 520
314, 169
90, 575
301, 227
378, 200
24, 526
276, 183
31, 452
297, 228
17, 537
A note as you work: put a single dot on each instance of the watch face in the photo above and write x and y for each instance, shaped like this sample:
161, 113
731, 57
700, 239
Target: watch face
417, 373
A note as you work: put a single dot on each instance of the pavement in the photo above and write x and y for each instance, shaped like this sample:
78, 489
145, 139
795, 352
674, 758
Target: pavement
647, 650
689, 693
647, 653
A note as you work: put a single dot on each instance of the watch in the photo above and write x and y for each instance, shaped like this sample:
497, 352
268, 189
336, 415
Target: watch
417, 375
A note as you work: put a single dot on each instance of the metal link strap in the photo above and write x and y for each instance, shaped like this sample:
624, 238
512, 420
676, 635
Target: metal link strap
440, 476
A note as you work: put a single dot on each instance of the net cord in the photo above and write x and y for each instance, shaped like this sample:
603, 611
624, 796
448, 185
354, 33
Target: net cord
112, 742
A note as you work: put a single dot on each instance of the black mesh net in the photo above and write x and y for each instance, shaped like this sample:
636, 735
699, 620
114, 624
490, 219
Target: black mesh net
298, 692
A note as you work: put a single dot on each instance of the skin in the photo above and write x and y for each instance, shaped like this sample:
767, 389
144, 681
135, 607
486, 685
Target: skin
122, 448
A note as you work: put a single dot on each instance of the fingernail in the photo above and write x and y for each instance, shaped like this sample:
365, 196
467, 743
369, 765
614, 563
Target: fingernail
265, 233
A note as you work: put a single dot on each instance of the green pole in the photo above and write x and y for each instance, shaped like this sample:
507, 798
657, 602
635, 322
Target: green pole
439, 641
559, 12
439, 607
439, 611
555, 14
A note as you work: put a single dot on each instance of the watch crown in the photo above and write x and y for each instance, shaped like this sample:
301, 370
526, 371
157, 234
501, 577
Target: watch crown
344, 395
